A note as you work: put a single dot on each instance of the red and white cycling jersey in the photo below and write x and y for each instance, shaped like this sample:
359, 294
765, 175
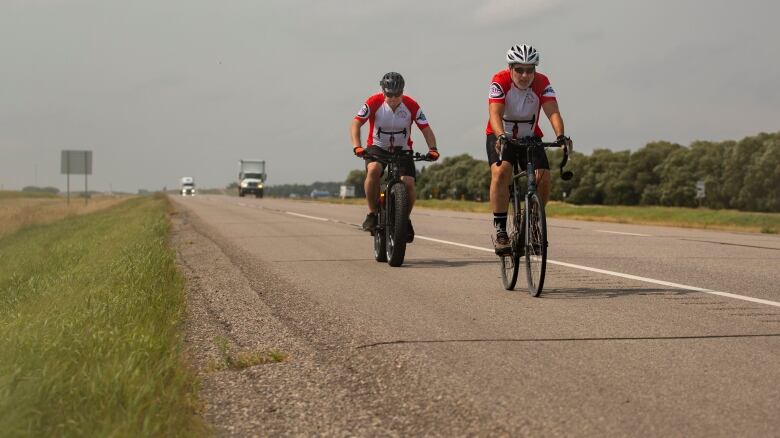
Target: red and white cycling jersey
388, 127
521, 107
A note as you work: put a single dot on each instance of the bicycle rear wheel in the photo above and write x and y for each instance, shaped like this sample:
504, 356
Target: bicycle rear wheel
396, 226
535, 244
510, 264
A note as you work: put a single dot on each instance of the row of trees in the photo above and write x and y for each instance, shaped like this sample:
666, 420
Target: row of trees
742, 175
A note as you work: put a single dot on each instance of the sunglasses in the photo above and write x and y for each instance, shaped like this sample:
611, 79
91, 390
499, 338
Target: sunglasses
393, 94
527, 70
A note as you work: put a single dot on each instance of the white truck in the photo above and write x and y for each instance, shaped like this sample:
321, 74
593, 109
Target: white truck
187, 186
251, 177
346, 191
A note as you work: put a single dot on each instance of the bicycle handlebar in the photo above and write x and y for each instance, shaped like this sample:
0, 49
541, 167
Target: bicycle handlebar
385, 155
535, 142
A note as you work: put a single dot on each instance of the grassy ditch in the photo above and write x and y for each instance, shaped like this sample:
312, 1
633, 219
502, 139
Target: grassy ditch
22, 209
729, 220
91, 344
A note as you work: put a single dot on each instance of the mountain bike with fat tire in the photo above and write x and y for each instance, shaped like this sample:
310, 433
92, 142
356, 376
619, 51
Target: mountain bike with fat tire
526, 222
390, 234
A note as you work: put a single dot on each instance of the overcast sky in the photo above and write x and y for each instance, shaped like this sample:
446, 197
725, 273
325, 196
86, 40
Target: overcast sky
168, 88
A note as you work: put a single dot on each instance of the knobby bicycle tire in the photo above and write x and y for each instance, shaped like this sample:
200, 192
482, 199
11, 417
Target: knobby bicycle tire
535, 244
396, 227
380, 244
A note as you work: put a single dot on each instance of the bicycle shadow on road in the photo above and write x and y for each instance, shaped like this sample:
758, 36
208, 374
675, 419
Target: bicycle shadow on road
581, 293
446, 263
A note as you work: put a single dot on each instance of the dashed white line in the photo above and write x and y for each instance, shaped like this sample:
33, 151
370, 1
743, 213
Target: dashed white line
307, 216
620, 232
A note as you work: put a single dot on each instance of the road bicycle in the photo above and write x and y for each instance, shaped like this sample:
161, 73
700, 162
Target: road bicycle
526, 221
390, 234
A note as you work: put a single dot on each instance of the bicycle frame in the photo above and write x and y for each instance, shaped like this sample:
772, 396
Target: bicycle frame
391, 231
528, 232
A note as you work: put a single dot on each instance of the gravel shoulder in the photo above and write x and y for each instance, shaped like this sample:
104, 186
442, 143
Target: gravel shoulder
327, 385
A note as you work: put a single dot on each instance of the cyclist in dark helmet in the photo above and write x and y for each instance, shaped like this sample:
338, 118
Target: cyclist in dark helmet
390, 115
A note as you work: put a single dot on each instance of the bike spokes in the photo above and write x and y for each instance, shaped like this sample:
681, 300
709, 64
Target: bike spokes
535, 245
509, 264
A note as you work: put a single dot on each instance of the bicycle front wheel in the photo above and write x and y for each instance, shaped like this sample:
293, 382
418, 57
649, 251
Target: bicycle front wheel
510, 263
535, 244
396, 227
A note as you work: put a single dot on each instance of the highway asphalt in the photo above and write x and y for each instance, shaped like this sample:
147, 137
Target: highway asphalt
640, 330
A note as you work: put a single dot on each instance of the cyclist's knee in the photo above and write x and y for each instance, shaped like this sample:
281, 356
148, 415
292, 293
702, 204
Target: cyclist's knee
501, 174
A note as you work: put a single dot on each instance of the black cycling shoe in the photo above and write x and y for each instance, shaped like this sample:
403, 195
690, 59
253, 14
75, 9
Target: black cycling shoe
409, 232
370, 223
502, 244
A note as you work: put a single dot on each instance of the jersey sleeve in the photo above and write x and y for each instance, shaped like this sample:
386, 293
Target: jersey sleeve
545, 91
368, 110
499, 86
417, 113
420, 119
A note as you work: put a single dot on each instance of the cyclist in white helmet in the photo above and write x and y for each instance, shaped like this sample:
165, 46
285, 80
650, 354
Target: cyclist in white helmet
517, 94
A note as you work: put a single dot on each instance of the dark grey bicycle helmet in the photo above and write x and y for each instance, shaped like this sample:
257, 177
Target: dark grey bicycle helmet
392, 83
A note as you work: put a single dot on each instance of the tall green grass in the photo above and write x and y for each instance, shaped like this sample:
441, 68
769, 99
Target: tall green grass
672, 216
731, 220
91, 312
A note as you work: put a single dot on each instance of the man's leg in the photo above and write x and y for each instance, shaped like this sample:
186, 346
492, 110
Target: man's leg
371, 186
499, 186
499, 202
543, 184
412, 196
409, 183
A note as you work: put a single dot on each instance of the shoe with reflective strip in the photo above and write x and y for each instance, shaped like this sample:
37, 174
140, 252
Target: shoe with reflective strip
502, 244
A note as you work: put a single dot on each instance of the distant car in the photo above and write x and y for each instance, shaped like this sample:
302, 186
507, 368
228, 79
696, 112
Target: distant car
320, 194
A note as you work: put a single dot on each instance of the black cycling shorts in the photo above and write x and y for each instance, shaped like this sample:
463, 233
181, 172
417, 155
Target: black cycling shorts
405, 167
539, 158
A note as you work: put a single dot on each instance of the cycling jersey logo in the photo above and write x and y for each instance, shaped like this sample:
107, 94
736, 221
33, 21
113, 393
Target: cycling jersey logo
495, 91
421, 117
363, 111
401, 113
548, 92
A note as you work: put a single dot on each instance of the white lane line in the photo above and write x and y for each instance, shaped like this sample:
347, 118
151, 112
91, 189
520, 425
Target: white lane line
307, 216
622, 275
447, 242
620, 232
588, 268
668, 283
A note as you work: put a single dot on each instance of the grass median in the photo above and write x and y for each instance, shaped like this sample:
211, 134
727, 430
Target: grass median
728, 220
91, 312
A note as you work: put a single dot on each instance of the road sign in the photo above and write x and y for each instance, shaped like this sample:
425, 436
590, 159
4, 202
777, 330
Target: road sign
700, 192
76, 163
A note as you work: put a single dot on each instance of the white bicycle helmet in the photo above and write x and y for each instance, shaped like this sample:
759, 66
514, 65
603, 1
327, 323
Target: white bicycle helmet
522, 54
